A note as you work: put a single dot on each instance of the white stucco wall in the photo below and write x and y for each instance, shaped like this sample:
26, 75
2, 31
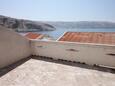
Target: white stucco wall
88, 53
13, 47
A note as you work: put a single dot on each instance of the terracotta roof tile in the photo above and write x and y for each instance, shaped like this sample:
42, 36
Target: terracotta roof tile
89, 37
33, 35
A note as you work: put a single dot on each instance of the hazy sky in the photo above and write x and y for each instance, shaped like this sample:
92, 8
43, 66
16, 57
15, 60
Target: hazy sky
59, 10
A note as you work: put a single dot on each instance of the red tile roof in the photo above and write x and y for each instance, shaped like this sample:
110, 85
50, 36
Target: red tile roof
89, 37
33, 35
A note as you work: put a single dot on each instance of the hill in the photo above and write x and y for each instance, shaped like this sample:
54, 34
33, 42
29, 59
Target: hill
83, 24
24, 25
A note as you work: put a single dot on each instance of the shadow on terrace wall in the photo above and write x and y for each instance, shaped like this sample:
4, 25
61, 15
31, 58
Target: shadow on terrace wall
75, 64
7, 69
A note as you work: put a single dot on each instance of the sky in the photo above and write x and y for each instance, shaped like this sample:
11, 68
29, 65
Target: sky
59, 10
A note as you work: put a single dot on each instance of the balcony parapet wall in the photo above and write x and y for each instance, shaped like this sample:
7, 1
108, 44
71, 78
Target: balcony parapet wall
13, 47
89, 53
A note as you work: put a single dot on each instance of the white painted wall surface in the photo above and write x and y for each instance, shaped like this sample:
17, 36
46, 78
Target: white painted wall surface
88, 53
13, 47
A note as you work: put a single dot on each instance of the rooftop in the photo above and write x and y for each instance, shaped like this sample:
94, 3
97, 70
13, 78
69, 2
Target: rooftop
89, 37
33, 35
45, 72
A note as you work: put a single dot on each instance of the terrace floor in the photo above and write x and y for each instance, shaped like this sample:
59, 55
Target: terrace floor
37, 71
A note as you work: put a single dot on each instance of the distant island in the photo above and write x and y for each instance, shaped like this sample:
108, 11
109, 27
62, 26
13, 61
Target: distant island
21, 25
83, 24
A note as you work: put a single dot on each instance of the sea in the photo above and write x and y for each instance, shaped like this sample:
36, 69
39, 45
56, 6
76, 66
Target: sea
59, 31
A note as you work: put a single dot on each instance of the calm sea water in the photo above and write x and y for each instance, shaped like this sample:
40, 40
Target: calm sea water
59, 31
